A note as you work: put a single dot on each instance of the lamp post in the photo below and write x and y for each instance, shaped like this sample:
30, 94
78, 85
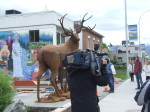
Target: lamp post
126, 34
139, 23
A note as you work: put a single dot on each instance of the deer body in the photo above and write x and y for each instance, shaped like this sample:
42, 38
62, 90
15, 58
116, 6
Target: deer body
51, 56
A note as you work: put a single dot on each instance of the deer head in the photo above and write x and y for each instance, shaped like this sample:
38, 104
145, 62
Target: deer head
74, 36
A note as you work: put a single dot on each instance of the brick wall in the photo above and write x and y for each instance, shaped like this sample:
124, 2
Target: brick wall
93, 38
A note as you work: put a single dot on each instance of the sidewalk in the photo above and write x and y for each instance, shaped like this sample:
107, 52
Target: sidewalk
122, 100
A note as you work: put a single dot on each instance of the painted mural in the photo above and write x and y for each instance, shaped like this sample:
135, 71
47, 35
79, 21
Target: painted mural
18, 57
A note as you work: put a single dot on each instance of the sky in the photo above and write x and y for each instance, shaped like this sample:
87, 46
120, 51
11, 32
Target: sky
108, 15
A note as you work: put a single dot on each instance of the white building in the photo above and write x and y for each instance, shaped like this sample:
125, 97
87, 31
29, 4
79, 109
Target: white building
42, 22
34, 30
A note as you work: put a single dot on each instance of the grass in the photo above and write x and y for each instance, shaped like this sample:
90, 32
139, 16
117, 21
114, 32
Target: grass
122, 75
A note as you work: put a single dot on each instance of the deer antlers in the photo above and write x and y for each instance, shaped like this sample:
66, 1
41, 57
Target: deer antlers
78, 28
69, 33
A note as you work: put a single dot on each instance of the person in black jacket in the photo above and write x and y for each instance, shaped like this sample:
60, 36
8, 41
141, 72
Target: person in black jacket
82, 85
142, 97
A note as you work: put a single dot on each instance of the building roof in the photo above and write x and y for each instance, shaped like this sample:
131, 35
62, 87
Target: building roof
94, 32
33, 19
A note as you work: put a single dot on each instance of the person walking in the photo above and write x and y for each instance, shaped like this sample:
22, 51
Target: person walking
142, 97
110, 69
137, 72
131, 70
146, 69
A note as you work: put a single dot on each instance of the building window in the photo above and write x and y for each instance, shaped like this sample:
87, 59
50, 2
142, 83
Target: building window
34, 35
58, 38
136, 48
62, 39
119, 59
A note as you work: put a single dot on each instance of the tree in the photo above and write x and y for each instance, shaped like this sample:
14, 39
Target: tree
104, 46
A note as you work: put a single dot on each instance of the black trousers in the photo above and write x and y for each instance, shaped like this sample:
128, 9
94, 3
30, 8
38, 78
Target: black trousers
132, 76
147, 77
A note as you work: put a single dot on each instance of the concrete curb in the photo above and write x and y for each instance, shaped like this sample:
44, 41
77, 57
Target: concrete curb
64, 108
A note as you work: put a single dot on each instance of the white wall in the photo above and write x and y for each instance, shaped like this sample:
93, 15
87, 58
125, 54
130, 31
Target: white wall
33, 19
81, 41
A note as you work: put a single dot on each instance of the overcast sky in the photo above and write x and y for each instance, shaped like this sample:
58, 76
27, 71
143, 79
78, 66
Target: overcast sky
108, 15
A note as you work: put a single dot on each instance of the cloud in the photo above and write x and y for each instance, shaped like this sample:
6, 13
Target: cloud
108, 15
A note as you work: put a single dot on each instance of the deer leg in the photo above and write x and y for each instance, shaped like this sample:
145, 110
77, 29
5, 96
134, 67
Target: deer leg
60, 77
38, 83
53, 82
65, 85
66, 93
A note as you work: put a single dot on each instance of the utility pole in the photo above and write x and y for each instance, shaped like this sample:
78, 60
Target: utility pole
126, 34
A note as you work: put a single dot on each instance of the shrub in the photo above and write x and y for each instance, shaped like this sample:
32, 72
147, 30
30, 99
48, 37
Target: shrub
114, 61
6, 91
119, 67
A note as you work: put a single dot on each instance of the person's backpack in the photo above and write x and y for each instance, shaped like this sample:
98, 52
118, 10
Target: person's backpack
108, 69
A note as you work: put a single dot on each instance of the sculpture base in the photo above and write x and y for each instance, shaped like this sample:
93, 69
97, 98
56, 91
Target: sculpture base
50, 98
66, 94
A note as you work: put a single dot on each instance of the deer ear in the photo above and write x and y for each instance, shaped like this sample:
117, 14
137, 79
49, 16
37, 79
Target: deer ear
63, 35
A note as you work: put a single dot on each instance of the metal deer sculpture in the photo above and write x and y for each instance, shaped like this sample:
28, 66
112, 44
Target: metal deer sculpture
51, 56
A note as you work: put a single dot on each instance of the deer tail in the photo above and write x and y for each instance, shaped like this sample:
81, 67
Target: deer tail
41, 60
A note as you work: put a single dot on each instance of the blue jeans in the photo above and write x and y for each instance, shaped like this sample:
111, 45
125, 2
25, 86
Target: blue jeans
111, 82
139, 79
